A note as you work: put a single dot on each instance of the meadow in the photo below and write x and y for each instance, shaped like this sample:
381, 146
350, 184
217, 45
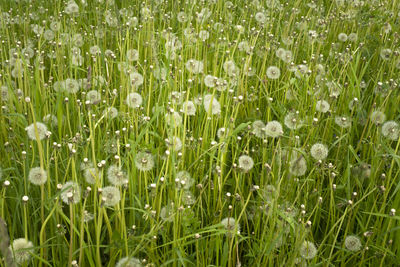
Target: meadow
199, 133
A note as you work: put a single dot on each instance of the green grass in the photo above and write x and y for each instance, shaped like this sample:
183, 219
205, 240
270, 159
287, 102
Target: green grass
273, 207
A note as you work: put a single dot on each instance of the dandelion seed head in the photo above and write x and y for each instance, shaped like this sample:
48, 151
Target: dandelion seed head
21, 249
319, 151
37, 176
308, 250
144, 161
274, 129
246, 163
352, 243
111, 196
41, 130
70, 191
129, 262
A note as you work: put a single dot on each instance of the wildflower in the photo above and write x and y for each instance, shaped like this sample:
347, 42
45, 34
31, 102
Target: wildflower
343, 122
173, 119
211, 104
194, 66
221, 132
71, 86
352, 243
260, 17
144, 161
51, 120
210, 81
189, 108
129, 262
391, 130
308, 250
184, 180
21, 249
93, 96
342, 37
230, 225
167, 213
134, 100
188, 198
386, 53
292, 121
91, 174
70, 192
246, 163
116, 176
273, 129
298, 166
259, 129
37, 176
273, 72
110, 195
41, 130
95, 50
353, 37
175, 143
182, 17
132, 55
136, 79
378, 117
230, 68
319, 151
111, 112
322, 106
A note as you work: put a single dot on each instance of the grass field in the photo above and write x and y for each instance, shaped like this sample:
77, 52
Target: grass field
200, 133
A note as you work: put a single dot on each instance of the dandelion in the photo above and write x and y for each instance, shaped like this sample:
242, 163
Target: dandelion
51, 120
144, 161
91, 175
259, 129
210, 81
292, 121
37, 176
386, 53
222, 132
319, 151
211, 104
353, 37
134, 100
260, 17
21, 249
111, 112
71, 86
41, 131
175, 143
116, 176
378, 117
93, 96
136, 79
343, 122
391, 130
298, 166
167, 213
246, 163
193, 66
132, 55
274, 129
110, 195
230, 225
129, 262
230, 68
189, 108
352, 243
322, 106
184, 180
273, 72
188, 198
173, 119
342, 37
308, 250
70, 192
